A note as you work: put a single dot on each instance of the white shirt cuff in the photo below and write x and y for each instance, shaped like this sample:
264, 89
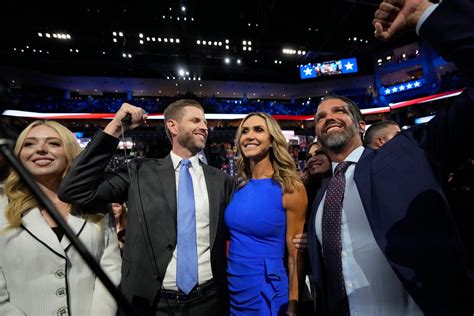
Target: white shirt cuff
424, 16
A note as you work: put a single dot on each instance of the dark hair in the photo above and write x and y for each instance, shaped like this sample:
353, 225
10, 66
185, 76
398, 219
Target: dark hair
354, 110
311, 145
374, 128
174, 111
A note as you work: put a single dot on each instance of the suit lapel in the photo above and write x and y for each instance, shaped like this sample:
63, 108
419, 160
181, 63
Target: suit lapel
212, 188
363, 183
34, 223
76, 224
167, 180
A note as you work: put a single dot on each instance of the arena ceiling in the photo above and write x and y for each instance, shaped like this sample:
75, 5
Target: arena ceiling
187, 40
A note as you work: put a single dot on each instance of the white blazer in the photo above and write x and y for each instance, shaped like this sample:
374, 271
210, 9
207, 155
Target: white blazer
39, 275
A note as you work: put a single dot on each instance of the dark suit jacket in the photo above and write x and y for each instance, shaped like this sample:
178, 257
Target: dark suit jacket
151, 230
399, 186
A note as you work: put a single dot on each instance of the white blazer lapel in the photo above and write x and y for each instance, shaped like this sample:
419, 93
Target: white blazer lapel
76, 224
36, 226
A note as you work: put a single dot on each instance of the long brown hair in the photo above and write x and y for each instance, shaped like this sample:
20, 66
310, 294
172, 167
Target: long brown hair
284, 169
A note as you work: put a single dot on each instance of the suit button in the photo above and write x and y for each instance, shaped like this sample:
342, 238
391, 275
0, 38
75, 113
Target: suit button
62, 311
61, 292
169, 247
59, 274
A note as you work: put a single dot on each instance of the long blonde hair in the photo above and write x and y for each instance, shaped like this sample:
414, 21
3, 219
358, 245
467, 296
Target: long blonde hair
284, 169
20, 199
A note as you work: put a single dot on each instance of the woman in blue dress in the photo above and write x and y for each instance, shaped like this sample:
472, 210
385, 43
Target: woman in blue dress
266, 211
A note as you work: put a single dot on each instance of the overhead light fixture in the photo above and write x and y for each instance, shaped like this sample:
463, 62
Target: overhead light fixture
183, 8
227, 60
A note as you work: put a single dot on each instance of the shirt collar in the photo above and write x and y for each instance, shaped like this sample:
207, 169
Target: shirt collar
353, 157
177, 159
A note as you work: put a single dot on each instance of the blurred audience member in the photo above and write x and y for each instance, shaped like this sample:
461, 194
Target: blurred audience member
121, 216
318, 168
381, 132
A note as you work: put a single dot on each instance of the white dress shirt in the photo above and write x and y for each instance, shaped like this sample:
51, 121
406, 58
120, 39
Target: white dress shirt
201, 201
372, 287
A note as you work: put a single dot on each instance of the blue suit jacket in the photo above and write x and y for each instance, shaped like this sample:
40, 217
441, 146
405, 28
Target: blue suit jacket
400, 190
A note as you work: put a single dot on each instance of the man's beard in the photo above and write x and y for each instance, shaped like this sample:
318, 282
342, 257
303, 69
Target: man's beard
337, 141
187, 141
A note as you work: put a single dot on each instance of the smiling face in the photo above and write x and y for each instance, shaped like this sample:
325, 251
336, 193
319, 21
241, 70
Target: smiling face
43, 154
335, 126
255, 138
190, 131
318, 162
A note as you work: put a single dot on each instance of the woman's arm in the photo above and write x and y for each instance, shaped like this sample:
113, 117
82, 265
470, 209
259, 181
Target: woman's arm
7, 308
102, 302
295, 204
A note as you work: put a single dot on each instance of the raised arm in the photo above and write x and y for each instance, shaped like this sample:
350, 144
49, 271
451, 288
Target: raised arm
449, 28
295, 204
86, 181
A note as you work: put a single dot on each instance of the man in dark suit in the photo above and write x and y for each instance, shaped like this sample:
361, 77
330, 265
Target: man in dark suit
151, 261
382, 240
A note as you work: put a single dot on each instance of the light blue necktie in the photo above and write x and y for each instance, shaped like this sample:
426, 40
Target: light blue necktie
187, 266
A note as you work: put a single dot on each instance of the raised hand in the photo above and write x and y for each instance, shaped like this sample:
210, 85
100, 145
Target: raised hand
137, 117
396, 16
301, 241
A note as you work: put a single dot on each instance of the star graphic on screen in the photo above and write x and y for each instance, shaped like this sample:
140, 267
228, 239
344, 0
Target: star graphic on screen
308, 71
402, 87
416, 84
409, 86
349, 65
394, 89
387, 91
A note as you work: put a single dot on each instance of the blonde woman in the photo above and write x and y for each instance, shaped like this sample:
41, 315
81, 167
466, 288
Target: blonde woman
40, 272
266, 211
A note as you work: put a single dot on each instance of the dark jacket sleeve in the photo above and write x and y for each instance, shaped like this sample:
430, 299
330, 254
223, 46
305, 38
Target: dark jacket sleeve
447, 138
87, 182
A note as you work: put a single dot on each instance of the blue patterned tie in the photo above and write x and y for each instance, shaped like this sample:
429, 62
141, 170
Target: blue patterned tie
187, 265
332, 243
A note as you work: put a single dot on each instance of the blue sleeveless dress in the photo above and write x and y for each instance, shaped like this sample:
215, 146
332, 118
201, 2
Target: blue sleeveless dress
257, 277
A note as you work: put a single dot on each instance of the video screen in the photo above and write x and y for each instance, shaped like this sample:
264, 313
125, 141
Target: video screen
329, 68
